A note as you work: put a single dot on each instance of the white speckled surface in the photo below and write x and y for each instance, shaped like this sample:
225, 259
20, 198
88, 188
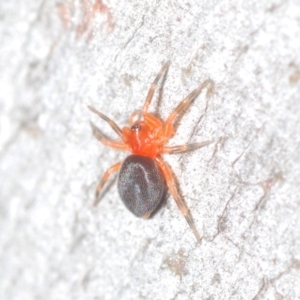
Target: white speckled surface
243, 190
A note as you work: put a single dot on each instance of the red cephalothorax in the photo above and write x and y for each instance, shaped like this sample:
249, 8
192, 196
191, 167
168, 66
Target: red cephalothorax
142, 174
144, 138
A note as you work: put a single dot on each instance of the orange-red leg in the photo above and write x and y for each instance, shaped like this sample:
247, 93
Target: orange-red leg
184, 148
153, 87
174, 192
113, 144
105, 177
112, 124
154, 123
169, 130
136, 115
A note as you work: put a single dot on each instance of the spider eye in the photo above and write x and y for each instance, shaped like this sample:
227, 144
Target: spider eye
136, 127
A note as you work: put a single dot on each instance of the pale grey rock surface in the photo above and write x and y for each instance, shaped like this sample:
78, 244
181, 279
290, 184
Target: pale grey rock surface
57, 57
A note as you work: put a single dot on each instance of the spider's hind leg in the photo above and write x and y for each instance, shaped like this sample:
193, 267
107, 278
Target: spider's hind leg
174, 192
105, 177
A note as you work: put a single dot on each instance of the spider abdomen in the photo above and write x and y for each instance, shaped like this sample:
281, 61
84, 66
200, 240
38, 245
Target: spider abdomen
141, 185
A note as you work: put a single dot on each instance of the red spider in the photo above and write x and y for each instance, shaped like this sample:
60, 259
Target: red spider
142, 175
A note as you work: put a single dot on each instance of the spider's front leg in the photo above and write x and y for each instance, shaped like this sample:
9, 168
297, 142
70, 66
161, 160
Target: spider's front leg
168, 128
112, 124
110, 143
153, 87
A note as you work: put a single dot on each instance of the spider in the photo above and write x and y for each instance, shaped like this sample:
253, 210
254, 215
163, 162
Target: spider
142, 175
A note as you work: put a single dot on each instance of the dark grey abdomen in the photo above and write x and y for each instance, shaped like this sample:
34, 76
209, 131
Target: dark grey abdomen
141, 184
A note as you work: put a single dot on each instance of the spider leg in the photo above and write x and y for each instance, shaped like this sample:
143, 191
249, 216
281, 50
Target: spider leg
184, 148
136, 115
153, 86
113, 144
184, 104
105, 177
153, 122
112, 124
172, 187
